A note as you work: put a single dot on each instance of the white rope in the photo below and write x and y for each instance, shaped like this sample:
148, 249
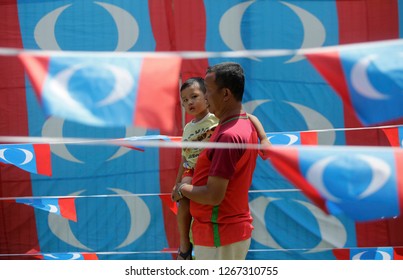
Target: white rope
124, 195
176, 143
197, 54
173, 251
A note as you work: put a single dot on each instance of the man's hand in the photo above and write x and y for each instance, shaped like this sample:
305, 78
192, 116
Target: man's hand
176, 195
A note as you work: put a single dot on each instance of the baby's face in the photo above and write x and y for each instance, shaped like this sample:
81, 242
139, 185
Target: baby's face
193, 100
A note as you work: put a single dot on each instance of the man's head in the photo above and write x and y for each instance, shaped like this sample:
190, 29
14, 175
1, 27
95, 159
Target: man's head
225, 84
229, 75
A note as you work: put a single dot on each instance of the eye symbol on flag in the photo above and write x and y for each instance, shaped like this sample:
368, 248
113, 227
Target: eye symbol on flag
379, 170
28, 156
372, 255
126, 24
231, 21
68, 256
313, 119
53, 127
261, 234
122, 87
140, 220
361, 82
279, 139
47, 207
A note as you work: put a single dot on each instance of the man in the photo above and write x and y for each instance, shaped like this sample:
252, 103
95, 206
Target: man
222, 224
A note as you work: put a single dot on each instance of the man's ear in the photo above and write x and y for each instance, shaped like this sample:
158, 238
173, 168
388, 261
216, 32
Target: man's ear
227, 94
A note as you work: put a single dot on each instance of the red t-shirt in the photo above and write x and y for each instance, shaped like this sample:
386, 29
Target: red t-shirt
230, 221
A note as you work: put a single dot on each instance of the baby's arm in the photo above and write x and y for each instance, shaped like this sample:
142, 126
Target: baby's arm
264, 142
259, 127
180, 171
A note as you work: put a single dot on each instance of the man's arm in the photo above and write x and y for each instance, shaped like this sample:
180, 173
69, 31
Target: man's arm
211, 194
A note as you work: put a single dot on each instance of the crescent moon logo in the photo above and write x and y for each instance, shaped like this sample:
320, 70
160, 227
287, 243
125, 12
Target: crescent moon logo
332, 231
75, 256
313, 119
130, 131
293, 139
126, 25
314, 31
2, 156
358, 256
53, 127
44, 32
230, 26
140, 219
260, 233
315, 174
251, 106
140, 216
27, 154
231, 21
60, 227
380, 170
123, 85
360, 80
50, 256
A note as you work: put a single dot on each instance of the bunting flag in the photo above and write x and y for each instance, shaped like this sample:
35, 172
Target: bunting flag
64, 207
167, 201
379, 253
362, 183
130, 142
69, 256
394, 135
367, 77
106, 91
153, 137
63, 256
293, 138
34, 158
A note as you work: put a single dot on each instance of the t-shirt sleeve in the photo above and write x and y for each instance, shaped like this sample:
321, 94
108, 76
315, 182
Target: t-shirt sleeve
223, 161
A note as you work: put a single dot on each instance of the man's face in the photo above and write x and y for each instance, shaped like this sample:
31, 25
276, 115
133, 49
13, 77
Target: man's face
214, 94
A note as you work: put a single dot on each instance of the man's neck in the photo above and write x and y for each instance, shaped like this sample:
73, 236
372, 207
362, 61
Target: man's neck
231, 112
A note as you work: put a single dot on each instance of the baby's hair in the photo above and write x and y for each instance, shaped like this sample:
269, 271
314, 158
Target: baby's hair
194, 80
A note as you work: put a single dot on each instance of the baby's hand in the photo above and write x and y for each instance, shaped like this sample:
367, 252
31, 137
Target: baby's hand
264, 148
176, 195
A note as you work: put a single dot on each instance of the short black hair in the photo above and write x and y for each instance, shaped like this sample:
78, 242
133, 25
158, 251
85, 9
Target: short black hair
229, 75
194, 80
